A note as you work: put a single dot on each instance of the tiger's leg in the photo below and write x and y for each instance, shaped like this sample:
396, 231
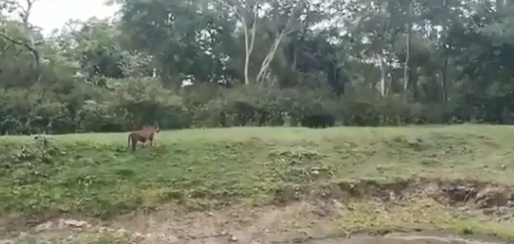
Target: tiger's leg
150, 139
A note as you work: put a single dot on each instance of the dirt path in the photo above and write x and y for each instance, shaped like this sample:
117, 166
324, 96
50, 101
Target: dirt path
89, 236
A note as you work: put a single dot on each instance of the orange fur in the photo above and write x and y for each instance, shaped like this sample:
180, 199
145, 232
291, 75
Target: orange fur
143, 135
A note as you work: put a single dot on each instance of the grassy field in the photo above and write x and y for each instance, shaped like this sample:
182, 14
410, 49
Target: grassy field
95, 175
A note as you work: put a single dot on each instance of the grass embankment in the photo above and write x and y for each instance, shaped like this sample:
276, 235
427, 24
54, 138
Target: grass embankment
94, 175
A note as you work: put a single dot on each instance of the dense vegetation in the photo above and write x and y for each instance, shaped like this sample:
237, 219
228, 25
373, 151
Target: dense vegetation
276, 62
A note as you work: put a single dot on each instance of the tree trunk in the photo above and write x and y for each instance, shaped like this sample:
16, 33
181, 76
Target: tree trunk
383, 76
406, 72
249, 42
444, 68
267, 60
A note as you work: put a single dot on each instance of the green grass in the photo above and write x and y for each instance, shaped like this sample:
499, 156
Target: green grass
417, 214
95, 175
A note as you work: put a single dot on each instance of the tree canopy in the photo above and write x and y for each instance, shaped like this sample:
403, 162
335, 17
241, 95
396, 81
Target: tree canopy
179, 63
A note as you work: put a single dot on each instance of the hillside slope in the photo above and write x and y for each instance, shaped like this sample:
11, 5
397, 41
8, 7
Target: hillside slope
305, 182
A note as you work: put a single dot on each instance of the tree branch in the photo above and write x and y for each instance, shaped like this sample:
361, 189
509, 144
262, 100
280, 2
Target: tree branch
34, 52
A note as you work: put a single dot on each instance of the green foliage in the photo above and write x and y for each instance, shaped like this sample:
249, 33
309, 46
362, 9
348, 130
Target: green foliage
129, 104
108, 76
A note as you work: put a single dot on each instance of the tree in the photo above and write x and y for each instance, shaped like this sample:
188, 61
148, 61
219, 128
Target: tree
368, 62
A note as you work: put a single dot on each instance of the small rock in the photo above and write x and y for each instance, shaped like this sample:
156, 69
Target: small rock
44, 226
189, 236
415, 142
223, 233
320, 212
505, 218
161, 236
173, 239
121, 231
75, 223
502, 210
233, 238
463, 209
60, 224
210, 214
510, 203
392, 196
503, 166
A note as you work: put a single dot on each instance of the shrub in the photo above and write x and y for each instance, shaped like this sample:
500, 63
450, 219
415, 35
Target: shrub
126, 104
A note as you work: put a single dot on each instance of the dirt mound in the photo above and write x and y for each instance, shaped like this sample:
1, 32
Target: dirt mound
480, 195
312, 215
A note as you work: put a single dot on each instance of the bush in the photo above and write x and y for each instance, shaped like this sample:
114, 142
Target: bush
127, 104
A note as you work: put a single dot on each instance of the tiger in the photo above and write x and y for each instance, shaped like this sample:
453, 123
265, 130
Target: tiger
143, 135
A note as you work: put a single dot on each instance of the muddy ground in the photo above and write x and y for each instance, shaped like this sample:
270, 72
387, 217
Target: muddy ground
300, 215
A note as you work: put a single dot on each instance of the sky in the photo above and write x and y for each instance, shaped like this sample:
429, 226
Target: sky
52, 14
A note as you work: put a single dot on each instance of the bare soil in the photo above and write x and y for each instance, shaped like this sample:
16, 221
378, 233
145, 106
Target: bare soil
322, 215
